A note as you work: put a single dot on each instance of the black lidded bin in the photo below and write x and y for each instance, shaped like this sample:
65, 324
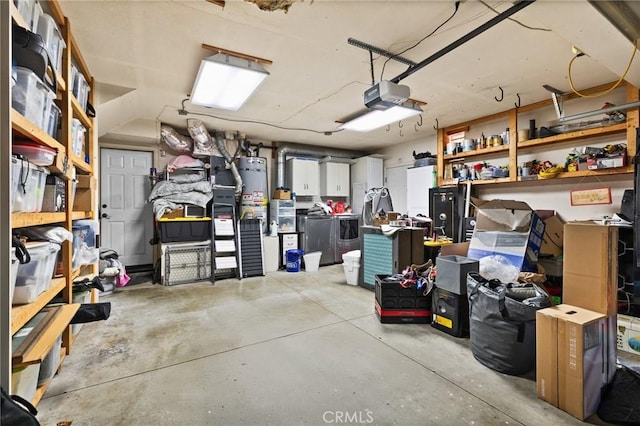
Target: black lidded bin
395, 304
184, 229
450, 312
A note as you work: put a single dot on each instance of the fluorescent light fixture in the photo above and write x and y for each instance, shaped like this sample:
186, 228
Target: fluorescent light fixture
377, 118
226, 82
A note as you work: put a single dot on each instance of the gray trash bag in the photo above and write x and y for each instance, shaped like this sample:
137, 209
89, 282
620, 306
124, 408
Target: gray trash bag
502, 323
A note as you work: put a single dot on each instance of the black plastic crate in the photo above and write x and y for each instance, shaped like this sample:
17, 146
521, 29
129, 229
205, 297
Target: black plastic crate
395, 303
450, 313
181, 230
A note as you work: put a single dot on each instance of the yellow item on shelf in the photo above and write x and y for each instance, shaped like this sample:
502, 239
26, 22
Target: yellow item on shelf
550, 172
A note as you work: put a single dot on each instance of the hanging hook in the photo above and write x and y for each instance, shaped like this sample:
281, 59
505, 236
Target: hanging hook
418, 124
400, 124
401, 134
388, 127
518, 104
501, 95
437, 126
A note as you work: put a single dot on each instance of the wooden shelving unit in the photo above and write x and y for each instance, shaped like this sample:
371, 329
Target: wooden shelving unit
513, 149
84, 200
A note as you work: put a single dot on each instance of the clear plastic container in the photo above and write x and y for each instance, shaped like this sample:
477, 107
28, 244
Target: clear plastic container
48, 29
49, 364
78, 132
30, 96
25, 9
15, 178
13, 273
35, 277
36, 154
80, 87
29, 187
24, 381
54, 118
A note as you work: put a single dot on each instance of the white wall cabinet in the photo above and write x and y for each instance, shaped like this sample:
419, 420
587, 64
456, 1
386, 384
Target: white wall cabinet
334, 179
303, 176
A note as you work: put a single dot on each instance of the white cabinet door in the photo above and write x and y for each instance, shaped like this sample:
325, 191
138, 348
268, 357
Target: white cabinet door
334, 179
303, 176
419, 180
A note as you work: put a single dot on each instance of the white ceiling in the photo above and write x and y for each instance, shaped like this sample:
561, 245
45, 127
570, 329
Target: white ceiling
144, 56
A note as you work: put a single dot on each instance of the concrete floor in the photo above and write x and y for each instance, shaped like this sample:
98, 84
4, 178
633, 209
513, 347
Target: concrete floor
285, 349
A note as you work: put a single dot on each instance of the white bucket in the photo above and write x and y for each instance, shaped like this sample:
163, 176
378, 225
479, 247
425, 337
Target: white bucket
351, 266
312, 261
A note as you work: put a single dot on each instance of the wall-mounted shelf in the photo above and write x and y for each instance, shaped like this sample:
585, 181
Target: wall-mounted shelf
512, 150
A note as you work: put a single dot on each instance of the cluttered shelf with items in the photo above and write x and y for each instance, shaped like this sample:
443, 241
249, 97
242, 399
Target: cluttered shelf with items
511, 155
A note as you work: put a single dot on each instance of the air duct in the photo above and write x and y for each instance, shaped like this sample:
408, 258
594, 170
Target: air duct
220, 139
307, 150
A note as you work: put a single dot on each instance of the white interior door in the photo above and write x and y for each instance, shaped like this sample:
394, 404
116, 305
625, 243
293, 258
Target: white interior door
126, 217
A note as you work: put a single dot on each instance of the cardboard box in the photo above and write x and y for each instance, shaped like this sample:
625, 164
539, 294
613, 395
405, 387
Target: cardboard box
507, 228
594, 163
569, 358
282, 194
552, 241
55, 194
590, 267
628, 334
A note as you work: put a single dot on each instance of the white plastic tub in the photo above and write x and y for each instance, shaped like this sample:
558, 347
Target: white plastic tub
351, 266
78, 132
35, 277
49, 364
13, 273
36, 154
312, 261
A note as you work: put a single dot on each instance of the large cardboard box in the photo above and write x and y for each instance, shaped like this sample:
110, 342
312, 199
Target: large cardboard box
569, 358
590, 267
552, 241
507, 228
590, 277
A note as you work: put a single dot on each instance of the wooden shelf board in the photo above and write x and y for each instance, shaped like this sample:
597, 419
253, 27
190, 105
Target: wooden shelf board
450, 182
20, 314
477, 152
80, 163
81, 215
79, 113
41, 347
572, 136
22, 220
25, 127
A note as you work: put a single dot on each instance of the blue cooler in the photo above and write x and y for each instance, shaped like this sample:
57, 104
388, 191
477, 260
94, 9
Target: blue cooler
294, 259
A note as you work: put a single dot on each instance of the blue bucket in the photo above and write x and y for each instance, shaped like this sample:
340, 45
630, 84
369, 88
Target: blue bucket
294, 259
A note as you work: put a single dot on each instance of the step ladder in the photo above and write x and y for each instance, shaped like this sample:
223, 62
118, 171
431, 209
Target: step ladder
224, 262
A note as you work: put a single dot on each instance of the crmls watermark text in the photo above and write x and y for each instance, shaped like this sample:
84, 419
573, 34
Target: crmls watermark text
348, 417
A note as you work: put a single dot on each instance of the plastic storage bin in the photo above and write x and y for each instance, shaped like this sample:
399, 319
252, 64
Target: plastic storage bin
452, 272
35, 277
27, 9
13, 273
78, 132
53, 120
80, 88
30, 96
29, 187
48, 29
36, 154
49, 364
24, 381
184, 229
15, 179
351, 265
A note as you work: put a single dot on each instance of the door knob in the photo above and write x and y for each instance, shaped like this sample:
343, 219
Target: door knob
105, 216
